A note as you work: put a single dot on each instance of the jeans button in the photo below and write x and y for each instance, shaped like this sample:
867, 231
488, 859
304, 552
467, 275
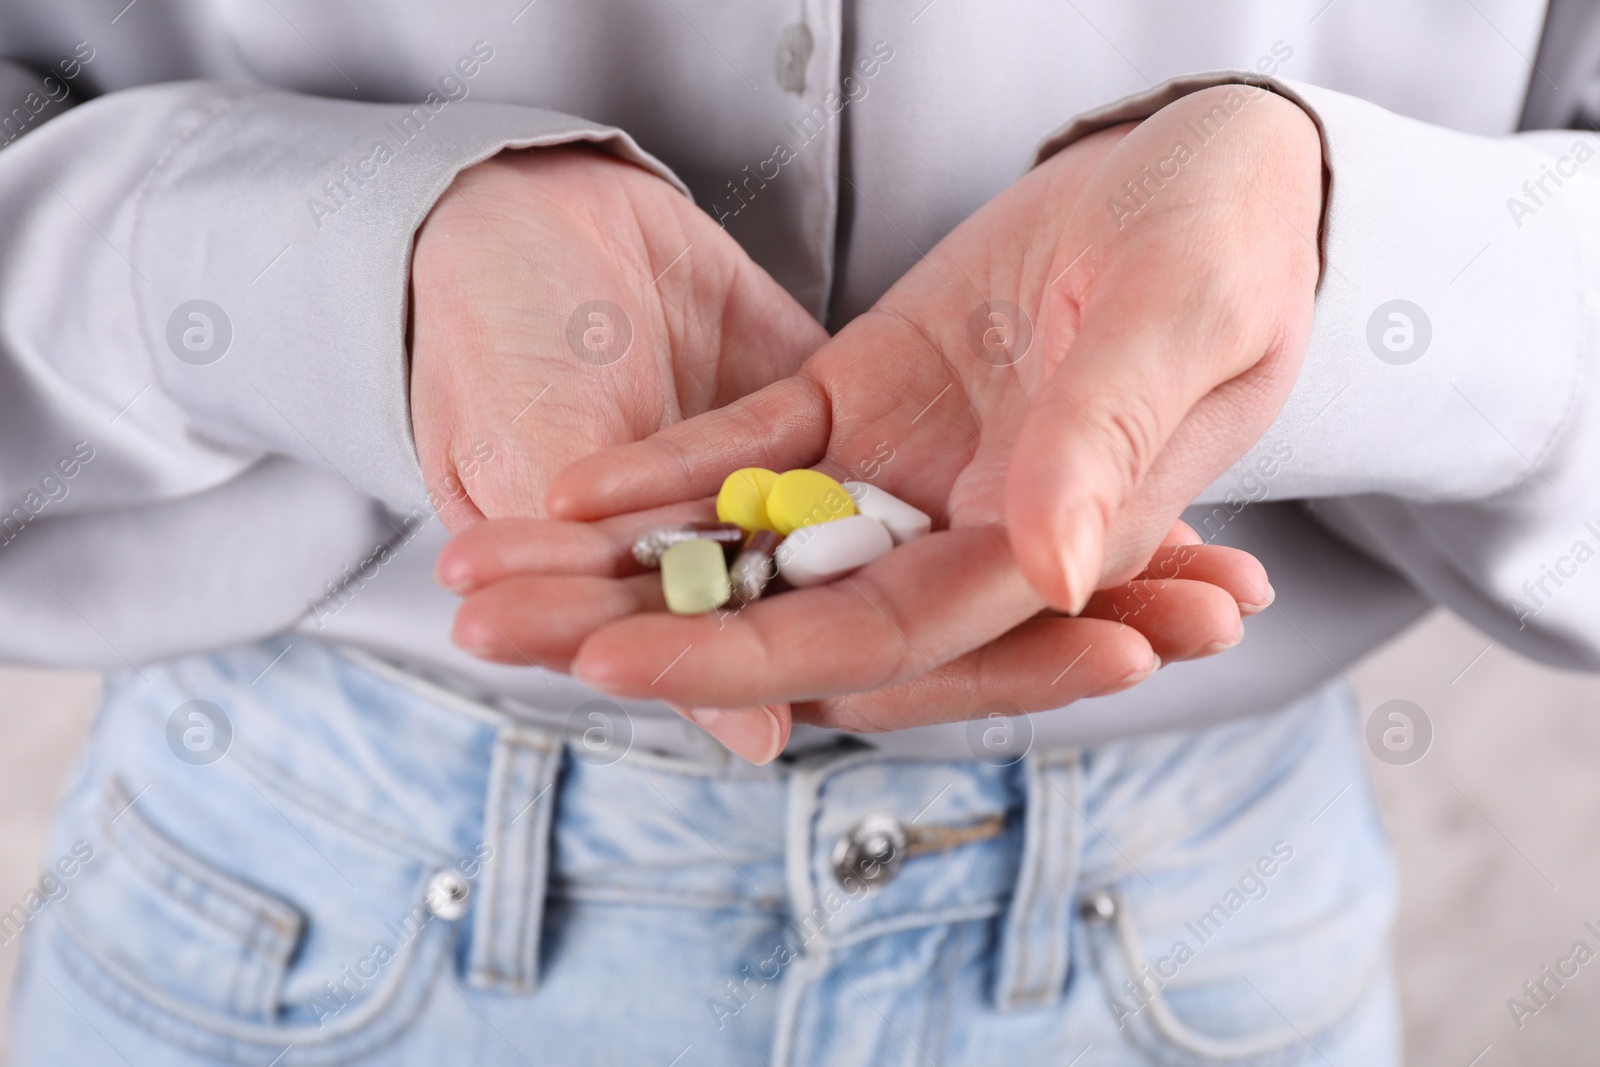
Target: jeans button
872, 852
794, 52
1098, 907
447, 895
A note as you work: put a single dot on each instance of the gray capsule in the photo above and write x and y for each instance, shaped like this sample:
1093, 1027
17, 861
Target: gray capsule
755, 567
650, 545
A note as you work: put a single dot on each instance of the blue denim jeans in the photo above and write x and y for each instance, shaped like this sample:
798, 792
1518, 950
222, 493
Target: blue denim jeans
318, 860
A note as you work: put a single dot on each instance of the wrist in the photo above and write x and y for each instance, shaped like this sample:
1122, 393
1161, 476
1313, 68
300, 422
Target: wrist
1261, 137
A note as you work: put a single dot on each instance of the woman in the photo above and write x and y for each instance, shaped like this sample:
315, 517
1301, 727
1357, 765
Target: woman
338, 839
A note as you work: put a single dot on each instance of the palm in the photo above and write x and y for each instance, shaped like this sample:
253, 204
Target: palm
1142, 359
944, 420
567, 302
942, 369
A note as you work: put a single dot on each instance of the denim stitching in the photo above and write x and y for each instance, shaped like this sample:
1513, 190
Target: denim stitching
629, 896
241, 1041
1019, 920
333, 812
1055, 920
484, 967
1031, 989
951, 956
527, 906
268, 926
506, 944
1268, 1046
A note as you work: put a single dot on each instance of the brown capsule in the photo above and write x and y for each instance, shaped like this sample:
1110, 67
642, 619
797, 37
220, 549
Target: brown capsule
648, 548
755, 567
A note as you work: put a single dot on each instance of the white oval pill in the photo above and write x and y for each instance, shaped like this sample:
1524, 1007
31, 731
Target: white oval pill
816, 554
905, 523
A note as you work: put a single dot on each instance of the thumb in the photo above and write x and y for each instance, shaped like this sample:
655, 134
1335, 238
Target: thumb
1091, 440
782, 426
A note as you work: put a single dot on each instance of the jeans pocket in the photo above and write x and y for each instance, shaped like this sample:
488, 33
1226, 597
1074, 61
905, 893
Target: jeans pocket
205, 959
174, 924
1263, 967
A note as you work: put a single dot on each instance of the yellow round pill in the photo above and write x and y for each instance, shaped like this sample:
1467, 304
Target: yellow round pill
806, 498
743, 498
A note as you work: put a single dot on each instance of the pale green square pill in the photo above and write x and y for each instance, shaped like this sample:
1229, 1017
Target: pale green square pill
694, 577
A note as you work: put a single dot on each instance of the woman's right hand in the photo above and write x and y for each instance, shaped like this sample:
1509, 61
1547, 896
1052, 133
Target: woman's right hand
565, 301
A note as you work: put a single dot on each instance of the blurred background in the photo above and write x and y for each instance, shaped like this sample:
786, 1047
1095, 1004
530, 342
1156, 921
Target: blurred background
1494, 827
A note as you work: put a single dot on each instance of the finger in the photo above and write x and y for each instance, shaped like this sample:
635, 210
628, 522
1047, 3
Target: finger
781, 427
1160, 314
1231, 569
923, 604
503, 548
541, 620
1044, 663
1091, 435
1181, 534
1181, 619
1206, 303
756, 734
450, 499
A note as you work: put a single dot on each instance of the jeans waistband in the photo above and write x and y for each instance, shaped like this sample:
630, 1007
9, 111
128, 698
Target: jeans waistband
415, 769
651, 830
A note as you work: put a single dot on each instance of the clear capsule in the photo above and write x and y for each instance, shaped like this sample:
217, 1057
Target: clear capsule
754, 567
650, 545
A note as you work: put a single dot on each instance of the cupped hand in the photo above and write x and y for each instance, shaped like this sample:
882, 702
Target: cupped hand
1120, 325
1172, 331
538, 589
564, 301
1166, 335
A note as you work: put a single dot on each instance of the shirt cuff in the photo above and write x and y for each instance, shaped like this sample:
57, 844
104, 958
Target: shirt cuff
1445, 353
272, 254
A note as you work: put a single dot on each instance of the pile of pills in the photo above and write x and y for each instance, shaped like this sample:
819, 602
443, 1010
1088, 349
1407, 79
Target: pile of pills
801, 525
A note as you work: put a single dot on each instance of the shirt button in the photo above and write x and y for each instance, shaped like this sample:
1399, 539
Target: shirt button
794, 52
447, 895
872, 853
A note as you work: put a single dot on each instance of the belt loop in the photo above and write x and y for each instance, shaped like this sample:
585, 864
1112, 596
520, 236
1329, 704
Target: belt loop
1035, 947
508, 916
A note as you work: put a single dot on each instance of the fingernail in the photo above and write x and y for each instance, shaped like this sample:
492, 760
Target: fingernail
750, 733
1252, 609
1078, 532
1222, 646
1138, 676
601, 674
1135, 678
488, 652
449, 573
471, 635
465, 642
